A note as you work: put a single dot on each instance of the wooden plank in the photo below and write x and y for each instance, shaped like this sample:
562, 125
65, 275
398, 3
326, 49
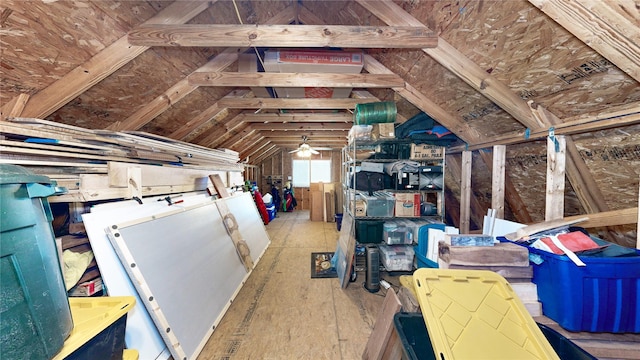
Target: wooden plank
383, 328
556, 159
522, 233
612, 118
498, 180
216, 180
103, 64
501, 254
307, 36
287, 103
298, 117
336, 80
611, 36
14, 107
607, 218
304, 126
465, 192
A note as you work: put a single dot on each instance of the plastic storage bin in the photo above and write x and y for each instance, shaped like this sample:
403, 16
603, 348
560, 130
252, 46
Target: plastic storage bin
414, 337
397, 257
35, 318
381, 204
416, 343
475, 314
369, 231
397, 233
423, 245
99, 329
603, 296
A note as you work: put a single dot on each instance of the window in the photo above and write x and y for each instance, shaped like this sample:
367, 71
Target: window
307, 171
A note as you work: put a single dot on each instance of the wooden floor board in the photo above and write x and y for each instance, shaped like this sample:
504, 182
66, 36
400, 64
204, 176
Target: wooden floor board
282, 313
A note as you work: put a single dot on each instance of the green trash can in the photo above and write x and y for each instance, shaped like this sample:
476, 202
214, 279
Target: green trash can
35, 318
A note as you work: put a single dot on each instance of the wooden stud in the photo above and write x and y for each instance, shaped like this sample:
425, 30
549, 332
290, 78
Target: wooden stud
498, 180
465, 192
556, 161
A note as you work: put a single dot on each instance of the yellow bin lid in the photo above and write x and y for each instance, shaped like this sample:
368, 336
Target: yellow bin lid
475, 314
90, 316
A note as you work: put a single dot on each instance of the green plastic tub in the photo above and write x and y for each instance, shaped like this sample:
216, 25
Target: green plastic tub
35, 318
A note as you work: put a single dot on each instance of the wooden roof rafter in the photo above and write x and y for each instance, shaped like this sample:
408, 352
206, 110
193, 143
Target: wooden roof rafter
104, 63
600, 27
449, 57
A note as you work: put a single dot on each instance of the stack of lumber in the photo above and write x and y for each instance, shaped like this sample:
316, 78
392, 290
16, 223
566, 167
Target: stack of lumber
509, 260
101, 164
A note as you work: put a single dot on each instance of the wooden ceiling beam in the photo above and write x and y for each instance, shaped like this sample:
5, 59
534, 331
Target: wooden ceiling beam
46, 101
247, 141
612, 118
288, 103
310, 139
231, 79
303, 126
599, 27
183, 88
298, 117
306, 36
316, 135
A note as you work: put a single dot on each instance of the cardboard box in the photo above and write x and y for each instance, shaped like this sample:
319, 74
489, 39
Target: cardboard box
87, 288
361, 208
313, 61
426, 152
383, 131
407, 204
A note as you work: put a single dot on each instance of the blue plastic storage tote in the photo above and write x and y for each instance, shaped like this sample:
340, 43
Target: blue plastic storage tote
603, 296
423, 245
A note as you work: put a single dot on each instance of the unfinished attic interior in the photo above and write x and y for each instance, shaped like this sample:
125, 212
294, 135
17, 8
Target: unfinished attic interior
147, 147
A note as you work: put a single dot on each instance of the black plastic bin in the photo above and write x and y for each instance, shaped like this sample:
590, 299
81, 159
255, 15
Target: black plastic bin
416, 343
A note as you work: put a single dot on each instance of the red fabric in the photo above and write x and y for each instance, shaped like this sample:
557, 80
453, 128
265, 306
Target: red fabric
574, 241
262, 209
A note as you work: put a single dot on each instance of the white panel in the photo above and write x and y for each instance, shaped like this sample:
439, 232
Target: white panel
141, 333
186, 268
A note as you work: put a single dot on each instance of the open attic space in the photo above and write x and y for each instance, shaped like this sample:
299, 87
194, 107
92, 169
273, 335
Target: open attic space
536, 102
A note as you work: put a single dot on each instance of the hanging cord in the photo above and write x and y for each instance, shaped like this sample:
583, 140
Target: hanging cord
255, 49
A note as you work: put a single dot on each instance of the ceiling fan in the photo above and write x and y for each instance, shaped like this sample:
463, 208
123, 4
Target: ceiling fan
305, 150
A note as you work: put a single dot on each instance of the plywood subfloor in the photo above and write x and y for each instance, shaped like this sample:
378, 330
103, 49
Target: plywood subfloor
282, 313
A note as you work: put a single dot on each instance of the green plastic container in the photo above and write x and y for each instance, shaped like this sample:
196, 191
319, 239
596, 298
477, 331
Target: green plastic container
375, 113
35, 318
